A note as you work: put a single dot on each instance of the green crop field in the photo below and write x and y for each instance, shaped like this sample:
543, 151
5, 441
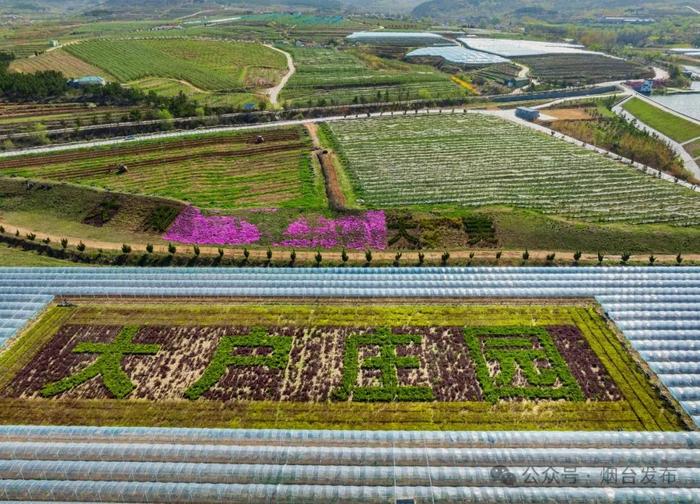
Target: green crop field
336, 364
203, 65
479, 160
580, 69
664, 122
346, 76
211, 171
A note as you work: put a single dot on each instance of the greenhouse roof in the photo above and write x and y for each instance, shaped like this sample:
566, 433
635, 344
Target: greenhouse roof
103, 464
510, 48
398, 38
458, 54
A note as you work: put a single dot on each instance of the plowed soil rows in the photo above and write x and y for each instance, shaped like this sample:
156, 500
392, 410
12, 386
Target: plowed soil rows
81, 172
143, 148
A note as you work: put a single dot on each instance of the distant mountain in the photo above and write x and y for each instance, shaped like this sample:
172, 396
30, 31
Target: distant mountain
474, 10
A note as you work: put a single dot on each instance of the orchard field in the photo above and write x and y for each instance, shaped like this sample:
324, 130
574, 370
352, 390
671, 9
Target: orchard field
206, 64
477, 160
547, 365
344, 77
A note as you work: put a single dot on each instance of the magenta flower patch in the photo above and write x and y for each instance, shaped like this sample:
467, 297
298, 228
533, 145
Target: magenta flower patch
191, 226
367, 230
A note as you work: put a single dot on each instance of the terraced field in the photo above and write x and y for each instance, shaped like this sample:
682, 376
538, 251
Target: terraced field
479, 160
542, 366
215, 171
343, 77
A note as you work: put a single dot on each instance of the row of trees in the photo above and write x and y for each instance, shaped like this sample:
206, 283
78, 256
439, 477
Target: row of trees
318, 257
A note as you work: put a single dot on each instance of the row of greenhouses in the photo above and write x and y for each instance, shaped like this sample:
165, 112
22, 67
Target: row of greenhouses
230, 465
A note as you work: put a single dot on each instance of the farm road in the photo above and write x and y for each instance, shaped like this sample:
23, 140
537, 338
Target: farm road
274, 92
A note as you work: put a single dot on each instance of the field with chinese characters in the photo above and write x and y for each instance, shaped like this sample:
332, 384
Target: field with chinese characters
486, 365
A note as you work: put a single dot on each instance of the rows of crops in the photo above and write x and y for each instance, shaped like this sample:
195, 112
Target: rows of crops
479, 160
229, 171
206, 64
59, 60
579, 69
344, 77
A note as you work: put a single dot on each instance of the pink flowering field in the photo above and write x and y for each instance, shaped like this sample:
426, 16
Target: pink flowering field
354, 231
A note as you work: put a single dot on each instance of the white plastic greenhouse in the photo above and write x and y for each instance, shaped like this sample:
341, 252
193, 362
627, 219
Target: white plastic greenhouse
220, 465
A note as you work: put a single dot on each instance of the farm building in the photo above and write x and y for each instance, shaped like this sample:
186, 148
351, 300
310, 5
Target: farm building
90, 80
403, 39
456, 55
529, 114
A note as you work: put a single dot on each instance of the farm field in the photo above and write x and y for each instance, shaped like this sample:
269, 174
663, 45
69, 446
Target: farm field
60, 60
213, 171
344, 77
476, 160
596, 124
18, 118
287, 364
664, 122
580, 69
209, 70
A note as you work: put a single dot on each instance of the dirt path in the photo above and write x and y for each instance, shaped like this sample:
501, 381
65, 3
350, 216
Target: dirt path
274, 92
312, 128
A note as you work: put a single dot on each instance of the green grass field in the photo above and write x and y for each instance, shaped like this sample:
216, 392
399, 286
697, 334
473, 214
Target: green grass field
670, 125
297, 386
477, 160
228, 171
347, 76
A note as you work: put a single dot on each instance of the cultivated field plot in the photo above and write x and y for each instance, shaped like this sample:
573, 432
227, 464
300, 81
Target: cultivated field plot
480, 160
205, 64
579, 69
343, 77
486, 366
59, 60
16, 118
212, 171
